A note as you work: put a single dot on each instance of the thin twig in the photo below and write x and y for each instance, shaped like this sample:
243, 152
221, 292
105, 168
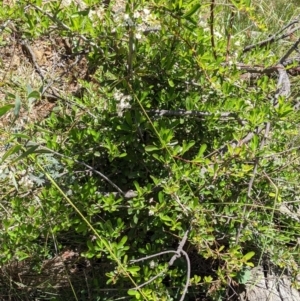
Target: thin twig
179, 203
211, 21
229, 32
189, 113
256, 69
289, 52
152, 256
253, 72
177, 254
31, 56
88, 167
50, 83
188, 274
273, 38
221, 116
54, 95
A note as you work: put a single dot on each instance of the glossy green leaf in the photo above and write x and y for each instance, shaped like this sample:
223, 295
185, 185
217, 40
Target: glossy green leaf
249, 255
192, 11
123, 241
151, 148
133, 270
5, 109
171, 83
34, 94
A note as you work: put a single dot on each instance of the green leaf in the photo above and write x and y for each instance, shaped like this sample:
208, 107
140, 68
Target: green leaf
254, 143
165, 218
5, 109
187, 145
132, 292
192, 10
10, 95
202, 150
123, 241
243, 276
28, 152
133, 270
90, 245
208, 279
43, 151
20, 136
128, 118
171, 83
135, 219
248, 256
34, 94
11, 151
12, 175
151, 148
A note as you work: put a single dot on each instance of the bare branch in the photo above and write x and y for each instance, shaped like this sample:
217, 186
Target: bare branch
152, 256
130, 194
273, 38
246, 139
189, 113
31, 56
177, 254
179, 249
257, 69
221, 116
229, 33
289, 52
253, 72
212, 35
188, 274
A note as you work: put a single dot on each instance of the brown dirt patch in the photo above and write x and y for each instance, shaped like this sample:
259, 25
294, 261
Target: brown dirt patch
47, 64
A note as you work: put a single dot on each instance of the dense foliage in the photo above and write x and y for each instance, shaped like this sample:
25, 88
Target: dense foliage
164, 112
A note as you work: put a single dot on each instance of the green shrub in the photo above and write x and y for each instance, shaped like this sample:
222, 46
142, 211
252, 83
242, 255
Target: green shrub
163, 113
